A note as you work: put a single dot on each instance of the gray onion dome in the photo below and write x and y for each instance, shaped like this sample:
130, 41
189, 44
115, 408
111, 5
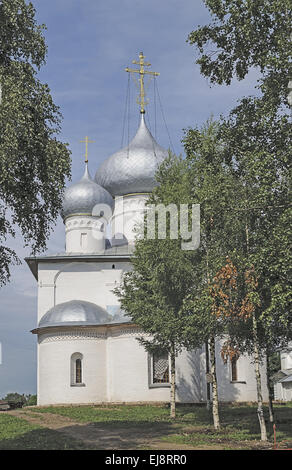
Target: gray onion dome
81, 197
75, 312
132, 169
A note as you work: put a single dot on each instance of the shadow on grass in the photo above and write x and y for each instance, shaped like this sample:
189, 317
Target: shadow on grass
244, 419
42, 439
121, 435
238, 419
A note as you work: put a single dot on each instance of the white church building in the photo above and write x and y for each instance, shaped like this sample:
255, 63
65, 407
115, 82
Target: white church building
87, 347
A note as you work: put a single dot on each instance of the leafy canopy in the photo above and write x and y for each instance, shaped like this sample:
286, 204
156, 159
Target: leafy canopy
152, 293
245, 34
33, 163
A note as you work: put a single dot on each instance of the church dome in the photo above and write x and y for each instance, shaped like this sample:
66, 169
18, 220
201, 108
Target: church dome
132, 169
75, 312
80, 198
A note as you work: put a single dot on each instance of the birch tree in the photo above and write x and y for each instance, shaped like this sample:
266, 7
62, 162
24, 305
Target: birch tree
212, 186
241, 36
152, 293
33, 162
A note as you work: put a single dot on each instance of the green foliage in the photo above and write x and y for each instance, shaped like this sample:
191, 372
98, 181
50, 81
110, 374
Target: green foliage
245, 34
152, 293
15, 397
213, 186
21, 38
256, 146
274, 363
168, 291
31, 400
26, 400
33, 163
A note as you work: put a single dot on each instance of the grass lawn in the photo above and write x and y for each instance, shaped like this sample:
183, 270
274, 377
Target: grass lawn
193, 424
128, 414
192, 427
18, 434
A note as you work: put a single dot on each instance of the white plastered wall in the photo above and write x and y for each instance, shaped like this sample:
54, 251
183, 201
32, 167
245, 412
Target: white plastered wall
114, 368
244, 389
84, 234
286, 358
54, 368
90, 281
128, 376
129, 211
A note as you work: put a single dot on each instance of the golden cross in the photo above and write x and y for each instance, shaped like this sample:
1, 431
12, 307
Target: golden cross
86, 141
142, 72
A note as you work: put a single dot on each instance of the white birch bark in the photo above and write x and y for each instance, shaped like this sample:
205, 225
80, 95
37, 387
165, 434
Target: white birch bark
215, 402
260, 410
172, 382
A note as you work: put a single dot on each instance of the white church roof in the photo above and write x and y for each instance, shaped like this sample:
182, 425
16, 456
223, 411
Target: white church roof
132, 169
109, 254
81, 313
286, 379
80, 198
75, 312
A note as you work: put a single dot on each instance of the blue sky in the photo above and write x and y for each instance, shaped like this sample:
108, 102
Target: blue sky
90, 42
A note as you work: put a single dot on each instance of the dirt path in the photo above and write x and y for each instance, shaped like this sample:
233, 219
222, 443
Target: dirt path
48, 420
98, 436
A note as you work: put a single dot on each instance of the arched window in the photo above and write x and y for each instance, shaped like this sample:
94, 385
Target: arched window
76, 369
237, 373
159, 369
234, 376
83, 240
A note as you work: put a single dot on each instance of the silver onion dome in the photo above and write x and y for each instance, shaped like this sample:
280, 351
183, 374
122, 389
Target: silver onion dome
132, 169
80, 198
75, 312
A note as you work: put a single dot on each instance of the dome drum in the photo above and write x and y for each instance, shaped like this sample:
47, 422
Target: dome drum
84, 234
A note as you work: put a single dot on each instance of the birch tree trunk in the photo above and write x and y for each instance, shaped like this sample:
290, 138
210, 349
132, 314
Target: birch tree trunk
215, 403
207, 342
269, 385
172, 382
260, 410
208, 402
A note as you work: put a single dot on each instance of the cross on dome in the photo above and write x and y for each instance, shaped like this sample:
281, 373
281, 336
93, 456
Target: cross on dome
86, 141
142, 102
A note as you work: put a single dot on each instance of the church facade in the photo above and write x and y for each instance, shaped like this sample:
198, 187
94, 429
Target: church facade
87, 347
